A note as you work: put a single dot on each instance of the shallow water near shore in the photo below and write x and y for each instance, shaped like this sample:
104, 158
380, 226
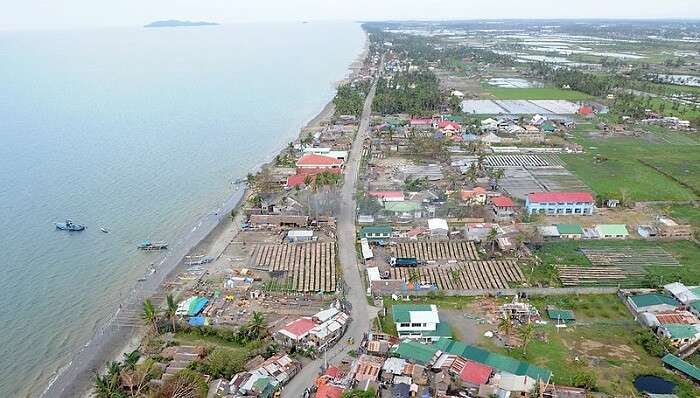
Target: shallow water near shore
140, 131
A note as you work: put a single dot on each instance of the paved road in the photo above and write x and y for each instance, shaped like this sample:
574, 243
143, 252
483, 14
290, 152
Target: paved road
355, 292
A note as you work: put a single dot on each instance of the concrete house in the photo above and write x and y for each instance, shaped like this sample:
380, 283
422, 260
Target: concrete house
570, 231
375, 232
503, 208
612, 231
680, 334
560, 203
652, 302
419, 322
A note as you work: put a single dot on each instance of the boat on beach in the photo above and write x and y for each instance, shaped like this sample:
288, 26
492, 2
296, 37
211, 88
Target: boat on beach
69, 225
147, 245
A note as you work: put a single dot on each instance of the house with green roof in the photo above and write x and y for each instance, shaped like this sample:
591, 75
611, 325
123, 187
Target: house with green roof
419, 322
612, 231
652, 302
497, 361
682, 366
557, 314
414, 351
406, 209
570, 231
695, 308
548, 127
376, 232
680, 334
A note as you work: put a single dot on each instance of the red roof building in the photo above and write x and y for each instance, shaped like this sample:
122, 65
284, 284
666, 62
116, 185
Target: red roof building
449, 125
329, 391
388, 196
296, 181
475, 373
560, 197
297, 329
502, 201
317, 170
421, 122
314, 161
585, 110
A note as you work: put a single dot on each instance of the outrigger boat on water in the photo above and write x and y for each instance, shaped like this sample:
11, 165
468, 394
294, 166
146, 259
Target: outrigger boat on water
105, 230
68, 225
148, 245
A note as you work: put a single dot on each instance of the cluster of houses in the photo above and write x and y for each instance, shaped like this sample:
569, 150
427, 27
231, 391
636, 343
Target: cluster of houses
261, 378
674, 314
317, 332
424, 361
651, 117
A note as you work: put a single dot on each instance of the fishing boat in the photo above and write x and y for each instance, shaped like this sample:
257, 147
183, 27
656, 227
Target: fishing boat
148, 245
105, 230
68, 225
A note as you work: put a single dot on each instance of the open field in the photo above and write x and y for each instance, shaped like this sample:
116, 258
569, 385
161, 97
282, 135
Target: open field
623, 171
536, 94
601, 341
686, 214
568, 253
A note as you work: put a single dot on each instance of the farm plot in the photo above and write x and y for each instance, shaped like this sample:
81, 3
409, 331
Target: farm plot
559, 107
460, 250
630, 257
465, 276
558, 179
307, 267
599, 276
521, 107
482, 107
513, 82
524, 161
518, 182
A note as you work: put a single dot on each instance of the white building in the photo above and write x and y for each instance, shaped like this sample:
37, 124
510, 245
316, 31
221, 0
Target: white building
419, 322
438, 227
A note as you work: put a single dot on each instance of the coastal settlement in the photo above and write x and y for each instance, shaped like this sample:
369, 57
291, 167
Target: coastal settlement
501, 240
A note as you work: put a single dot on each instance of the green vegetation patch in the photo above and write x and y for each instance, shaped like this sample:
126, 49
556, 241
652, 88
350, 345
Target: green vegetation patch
537, 94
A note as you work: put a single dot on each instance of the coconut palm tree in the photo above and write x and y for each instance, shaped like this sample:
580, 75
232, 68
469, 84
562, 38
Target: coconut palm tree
171, 309
130, 359
491, 240
505, 325
150, 314
526, 333
107, 385
257, 327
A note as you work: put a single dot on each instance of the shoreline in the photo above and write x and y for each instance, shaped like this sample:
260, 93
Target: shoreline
212, 232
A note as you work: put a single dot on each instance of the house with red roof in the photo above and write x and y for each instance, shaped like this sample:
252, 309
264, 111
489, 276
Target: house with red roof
329, 391
475, 196
503, 207
471, 374
314, 161
585, 110
388, 196
449, 125
560, 203
318, 331
299, 178
421, 123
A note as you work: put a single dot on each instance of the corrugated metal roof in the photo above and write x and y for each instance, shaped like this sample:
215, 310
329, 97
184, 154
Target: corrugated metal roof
682, 366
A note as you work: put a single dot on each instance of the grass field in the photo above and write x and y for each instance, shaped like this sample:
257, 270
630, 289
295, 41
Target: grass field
600, 342
623, 172
566, 253
535, 94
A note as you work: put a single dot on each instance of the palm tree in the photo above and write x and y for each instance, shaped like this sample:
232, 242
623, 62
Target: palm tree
256, 326
171, 309
130, 359
150, 314
413, 277
505, 325
107, 386
526, 332
491, 239
497, 175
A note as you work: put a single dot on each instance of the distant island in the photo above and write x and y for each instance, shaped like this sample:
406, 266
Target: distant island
171, 23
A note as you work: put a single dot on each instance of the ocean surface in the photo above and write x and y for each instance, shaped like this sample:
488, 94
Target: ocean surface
140, 131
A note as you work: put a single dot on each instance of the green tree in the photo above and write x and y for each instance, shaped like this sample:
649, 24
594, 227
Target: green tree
505, 325
257, 326
526, 333
584, 379
107, 385
150, 314
130, 359
171, 309
184, 384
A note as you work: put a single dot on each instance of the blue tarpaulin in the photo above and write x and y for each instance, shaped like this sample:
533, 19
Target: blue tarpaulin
198, 321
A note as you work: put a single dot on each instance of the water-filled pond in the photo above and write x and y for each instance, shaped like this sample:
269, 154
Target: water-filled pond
654, 385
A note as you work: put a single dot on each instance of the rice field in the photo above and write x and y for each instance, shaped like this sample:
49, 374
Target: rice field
524, 161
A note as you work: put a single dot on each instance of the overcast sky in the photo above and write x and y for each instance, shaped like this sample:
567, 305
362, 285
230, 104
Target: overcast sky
49, 14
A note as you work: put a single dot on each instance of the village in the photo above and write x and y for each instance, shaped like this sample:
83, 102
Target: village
514, 237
